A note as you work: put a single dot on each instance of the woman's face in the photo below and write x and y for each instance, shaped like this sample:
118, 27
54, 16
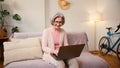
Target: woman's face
58, 23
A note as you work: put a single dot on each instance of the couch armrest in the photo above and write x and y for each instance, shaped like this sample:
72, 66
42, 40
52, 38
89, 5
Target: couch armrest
22, 35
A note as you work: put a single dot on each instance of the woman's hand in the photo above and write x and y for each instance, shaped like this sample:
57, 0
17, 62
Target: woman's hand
54, 52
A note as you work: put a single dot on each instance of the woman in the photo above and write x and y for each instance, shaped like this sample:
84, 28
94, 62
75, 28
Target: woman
53, 38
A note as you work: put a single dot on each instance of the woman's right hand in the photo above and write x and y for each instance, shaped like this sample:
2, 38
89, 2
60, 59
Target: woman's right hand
54, 52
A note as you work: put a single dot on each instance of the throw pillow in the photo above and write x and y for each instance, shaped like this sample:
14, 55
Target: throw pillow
22, 49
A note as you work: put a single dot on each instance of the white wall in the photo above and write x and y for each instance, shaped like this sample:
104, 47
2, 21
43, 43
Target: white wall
77, 16
36, 15
32, 13
111, 16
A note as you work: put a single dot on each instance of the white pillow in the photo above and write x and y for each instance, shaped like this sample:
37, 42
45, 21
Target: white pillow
22, 49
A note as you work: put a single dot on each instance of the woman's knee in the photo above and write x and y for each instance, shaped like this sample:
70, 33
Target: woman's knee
73, 63
61, 64
73, 60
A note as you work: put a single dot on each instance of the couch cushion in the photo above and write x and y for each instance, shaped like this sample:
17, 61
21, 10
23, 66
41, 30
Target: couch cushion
87, 60
22, 49
37, 63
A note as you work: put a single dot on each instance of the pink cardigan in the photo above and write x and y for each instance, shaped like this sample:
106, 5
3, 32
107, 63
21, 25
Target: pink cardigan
48, 42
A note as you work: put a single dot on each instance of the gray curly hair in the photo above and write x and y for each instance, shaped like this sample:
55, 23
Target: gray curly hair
57, 15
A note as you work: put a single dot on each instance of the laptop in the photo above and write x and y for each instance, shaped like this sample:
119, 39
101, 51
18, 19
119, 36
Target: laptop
68, 52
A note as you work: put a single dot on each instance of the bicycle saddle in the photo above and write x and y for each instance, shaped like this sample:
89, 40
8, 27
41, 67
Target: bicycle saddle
109, 28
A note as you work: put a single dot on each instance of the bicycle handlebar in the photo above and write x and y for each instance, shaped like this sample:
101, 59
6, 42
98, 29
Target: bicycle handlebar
118, 27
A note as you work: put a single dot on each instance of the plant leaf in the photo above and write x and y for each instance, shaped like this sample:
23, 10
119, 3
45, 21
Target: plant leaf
15, 29
16, 17
5, 12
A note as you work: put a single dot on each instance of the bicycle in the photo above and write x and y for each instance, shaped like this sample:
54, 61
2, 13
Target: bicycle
106, 45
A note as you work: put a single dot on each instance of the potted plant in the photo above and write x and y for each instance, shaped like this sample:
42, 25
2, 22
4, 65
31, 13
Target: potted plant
3, 14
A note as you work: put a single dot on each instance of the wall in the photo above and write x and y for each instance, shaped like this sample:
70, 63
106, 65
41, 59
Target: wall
78, 15
32, 13
36, 15
111, 16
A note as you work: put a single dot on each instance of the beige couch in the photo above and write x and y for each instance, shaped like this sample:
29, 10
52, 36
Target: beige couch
24, 51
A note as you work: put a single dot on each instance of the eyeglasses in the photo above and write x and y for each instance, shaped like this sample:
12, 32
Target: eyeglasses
59, 22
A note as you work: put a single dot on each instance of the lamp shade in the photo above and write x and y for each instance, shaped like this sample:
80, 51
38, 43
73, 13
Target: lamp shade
96, 17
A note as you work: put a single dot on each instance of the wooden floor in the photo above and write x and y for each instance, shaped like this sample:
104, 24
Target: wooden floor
112, 60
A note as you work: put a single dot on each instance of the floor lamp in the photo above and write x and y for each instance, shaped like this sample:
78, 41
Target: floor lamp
97, 18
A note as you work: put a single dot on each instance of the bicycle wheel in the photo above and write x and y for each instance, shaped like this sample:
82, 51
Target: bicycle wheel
118, 51
104, 45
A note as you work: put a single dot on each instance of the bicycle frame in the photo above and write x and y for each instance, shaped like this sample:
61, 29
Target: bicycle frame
108, 44
115, 43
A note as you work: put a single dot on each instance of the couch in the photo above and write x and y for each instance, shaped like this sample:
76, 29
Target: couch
24, 51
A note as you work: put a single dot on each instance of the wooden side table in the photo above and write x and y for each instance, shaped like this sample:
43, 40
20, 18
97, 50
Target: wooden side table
3, 39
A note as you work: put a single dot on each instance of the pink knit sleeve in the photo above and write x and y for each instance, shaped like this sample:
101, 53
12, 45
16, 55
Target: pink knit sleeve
44, 42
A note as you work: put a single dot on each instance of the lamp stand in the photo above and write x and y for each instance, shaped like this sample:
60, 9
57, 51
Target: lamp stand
95, 35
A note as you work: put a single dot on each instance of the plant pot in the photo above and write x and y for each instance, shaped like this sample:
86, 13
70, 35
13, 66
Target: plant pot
2, 33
